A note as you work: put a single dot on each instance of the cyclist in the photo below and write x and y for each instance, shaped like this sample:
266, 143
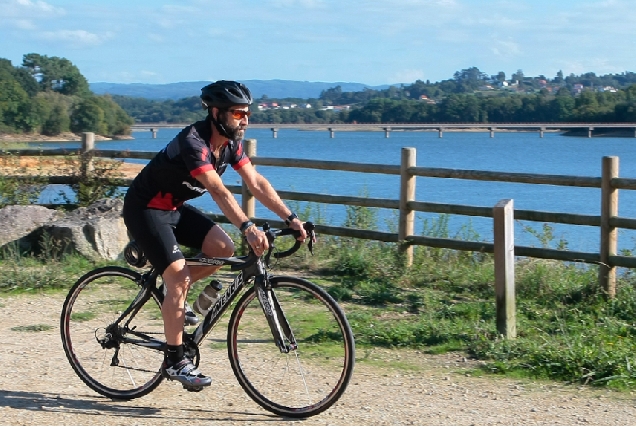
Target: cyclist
159, 221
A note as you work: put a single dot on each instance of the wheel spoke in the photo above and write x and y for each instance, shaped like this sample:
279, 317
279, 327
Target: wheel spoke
112, 361
307, 380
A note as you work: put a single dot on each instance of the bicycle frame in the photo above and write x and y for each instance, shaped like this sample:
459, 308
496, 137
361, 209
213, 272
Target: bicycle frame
251, 268
256, 272
273, 313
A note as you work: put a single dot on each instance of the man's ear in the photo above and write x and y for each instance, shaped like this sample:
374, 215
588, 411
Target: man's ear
214, 112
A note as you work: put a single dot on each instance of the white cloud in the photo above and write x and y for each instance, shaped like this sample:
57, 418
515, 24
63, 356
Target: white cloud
505, 48
145, 73
75, 38
156, 37
407, 76
24, 24
29, 9
309, 4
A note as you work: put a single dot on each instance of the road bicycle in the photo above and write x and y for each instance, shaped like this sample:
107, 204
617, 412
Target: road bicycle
288, 341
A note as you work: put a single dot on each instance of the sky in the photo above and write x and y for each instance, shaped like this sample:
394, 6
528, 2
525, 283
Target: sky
374, 42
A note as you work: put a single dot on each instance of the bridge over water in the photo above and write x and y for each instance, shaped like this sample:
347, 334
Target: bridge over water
387, 128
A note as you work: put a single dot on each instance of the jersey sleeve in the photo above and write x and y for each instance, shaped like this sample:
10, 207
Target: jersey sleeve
239, 158
196, 156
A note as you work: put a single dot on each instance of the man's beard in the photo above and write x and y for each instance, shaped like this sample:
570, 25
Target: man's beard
233, 133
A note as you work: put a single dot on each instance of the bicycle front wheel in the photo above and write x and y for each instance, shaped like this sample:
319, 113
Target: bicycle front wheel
117, 357
308, 379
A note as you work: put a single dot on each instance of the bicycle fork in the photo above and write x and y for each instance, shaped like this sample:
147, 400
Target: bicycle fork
278, 324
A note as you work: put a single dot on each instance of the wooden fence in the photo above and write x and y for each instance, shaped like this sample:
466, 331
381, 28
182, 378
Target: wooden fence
608, 221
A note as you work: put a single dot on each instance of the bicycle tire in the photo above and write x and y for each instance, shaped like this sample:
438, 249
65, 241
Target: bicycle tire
305, 381
95, 301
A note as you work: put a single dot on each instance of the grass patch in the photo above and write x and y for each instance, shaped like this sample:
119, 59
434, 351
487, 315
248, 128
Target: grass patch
32, 328
83, 316
567, 329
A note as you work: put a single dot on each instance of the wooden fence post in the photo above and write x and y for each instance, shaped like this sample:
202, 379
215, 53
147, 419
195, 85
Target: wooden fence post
407, 194
504, 250
86, 155
609, 209
248, 202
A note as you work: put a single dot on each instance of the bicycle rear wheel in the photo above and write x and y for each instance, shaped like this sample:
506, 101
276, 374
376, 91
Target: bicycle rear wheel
307, 380
119, 360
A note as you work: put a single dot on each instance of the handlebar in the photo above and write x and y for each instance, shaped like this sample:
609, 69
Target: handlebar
272, 234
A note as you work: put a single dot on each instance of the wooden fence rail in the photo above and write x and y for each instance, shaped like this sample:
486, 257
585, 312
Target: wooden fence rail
607, 221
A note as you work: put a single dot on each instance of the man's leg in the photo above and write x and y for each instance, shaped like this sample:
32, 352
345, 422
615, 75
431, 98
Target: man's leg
176, 366
177, 281
215, 244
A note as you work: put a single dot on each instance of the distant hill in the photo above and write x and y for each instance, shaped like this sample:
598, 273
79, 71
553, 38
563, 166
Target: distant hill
271, 88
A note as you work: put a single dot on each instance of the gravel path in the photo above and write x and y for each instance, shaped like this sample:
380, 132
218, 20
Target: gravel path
38, 387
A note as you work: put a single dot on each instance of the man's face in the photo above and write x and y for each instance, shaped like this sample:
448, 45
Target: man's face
235, 121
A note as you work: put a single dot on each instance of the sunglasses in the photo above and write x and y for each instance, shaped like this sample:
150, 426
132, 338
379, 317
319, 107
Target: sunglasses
240, 114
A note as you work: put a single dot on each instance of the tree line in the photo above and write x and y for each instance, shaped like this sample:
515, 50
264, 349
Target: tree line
470, 96
49, 95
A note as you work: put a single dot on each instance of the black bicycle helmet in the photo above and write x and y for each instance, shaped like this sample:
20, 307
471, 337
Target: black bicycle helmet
224, 94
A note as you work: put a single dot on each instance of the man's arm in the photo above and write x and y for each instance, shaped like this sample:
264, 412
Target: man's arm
265, 193
231, 209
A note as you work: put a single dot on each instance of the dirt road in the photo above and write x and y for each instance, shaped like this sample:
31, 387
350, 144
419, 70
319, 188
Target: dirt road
38, 387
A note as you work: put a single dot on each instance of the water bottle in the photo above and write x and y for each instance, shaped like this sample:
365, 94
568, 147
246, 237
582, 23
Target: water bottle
207, 298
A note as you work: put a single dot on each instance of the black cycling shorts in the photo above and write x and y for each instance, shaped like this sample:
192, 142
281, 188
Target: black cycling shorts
159, 233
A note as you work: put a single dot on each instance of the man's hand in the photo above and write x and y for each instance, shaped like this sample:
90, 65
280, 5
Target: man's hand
257, 240
297, 225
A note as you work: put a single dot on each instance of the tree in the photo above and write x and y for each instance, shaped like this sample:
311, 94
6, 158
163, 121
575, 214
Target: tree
57, 122
586, 106
331, 95
14, 104
469, 79
116, 121
87, 116
518, 76
56, 74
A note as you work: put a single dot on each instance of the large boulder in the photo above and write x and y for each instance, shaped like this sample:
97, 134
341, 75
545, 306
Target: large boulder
97, 231
19, 224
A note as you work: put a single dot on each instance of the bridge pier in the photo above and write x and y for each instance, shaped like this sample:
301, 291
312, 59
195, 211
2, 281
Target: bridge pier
274, 133
441, 132
387, 131
634, 132
541, 132
154, 133
589, 131
332, 133
492, 132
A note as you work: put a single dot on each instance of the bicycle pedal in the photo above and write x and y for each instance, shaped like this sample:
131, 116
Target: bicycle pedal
192, 388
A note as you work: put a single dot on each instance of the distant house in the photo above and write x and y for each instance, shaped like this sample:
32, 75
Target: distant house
577, 88
611, 89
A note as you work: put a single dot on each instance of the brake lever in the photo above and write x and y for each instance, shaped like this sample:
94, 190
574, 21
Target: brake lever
310, 228
270, 239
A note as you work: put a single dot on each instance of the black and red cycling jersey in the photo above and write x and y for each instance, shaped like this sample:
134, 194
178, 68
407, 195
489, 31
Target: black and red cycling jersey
168, 179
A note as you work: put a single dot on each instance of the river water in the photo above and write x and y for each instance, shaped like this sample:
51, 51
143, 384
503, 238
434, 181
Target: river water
522, 152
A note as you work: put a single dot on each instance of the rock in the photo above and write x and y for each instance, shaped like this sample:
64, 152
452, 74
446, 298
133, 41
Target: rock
19, 222
97, 231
